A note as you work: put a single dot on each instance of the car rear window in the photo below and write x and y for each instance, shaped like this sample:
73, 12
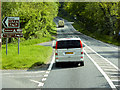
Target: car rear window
68, 44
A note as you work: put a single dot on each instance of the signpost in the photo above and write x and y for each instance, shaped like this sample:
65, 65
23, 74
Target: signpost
12, 29
11, 22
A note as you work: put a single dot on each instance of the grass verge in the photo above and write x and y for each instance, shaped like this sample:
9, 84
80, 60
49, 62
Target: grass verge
31, 55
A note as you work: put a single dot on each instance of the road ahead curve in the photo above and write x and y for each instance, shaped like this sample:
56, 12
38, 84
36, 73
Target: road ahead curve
101, 68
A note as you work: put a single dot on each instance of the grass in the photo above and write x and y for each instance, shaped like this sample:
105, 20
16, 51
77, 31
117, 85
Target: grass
105, 38
31, 55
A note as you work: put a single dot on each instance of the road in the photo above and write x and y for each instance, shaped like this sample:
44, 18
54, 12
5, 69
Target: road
101, 68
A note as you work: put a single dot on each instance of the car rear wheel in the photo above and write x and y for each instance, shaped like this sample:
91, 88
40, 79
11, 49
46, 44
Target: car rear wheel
81, 63
57, 64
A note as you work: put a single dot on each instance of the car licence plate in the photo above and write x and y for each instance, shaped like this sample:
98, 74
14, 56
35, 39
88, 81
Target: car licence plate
68, 52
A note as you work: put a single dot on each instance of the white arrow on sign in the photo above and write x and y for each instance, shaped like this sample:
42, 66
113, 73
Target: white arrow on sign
4, 23
12, 22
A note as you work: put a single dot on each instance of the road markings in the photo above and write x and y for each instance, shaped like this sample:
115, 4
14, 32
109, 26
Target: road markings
116, 80
100, 41
44, 79
46, 75
51, 64
112, 73
40, 84
117, 85
103, 73
110, 69
115, 76
103, 58
47, 72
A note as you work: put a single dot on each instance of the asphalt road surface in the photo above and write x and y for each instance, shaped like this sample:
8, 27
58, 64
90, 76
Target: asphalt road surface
101, 68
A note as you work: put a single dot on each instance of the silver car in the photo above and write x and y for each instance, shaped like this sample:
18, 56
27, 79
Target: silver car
69, 50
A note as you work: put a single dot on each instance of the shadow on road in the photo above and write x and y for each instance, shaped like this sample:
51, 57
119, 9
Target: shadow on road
65, 66
38, 67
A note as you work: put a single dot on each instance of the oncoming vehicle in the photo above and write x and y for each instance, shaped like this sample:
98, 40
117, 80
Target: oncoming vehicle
61, 23
69, 50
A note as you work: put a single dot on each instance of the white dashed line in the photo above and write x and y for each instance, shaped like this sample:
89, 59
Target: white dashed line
43, 79
40, 84
47, 72
46, 75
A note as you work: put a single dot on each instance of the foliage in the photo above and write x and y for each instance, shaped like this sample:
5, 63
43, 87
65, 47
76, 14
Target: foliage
36, 18
30, 54
96, 17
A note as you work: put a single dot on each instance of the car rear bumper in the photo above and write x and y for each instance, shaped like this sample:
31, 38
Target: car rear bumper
69, 61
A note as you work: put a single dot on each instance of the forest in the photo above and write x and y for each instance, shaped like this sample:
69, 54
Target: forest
100, 20
36, 18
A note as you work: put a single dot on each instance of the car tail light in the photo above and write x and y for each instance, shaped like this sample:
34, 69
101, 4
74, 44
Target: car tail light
56, 58
81, 44
56, 53
81, 57
56, 45
81, 52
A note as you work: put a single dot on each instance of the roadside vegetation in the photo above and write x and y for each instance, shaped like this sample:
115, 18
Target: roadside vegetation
36, 22
99, 20
31, 54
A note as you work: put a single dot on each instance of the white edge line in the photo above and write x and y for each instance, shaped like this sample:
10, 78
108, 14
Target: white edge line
103, 73
104, 58
51, 64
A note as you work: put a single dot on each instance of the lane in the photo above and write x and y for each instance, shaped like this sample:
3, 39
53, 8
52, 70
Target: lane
21, 78
75, 77
108, 51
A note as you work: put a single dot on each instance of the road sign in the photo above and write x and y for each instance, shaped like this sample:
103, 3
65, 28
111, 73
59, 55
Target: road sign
10, 35
12, 30
11, 22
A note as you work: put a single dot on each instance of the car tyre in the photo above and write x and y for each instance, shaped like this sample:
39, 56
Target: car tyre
57, 64
81, 63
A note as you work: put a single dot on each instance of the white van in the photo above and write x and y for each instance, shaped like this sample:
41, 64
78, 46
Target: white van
69, 50
61, 23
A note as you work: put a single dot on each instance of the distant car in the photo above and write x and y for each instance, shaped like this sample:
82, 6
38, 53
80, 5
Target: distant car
69, 50
61, 23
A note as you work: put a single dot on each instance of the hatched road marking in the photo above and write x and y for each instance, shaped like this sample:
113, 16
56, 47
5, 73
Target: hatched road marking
100, 63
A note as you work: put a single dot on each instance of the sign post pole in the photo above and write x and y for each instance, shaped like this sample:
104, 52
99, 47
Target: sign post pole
12, 29
18, 44
6, 46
